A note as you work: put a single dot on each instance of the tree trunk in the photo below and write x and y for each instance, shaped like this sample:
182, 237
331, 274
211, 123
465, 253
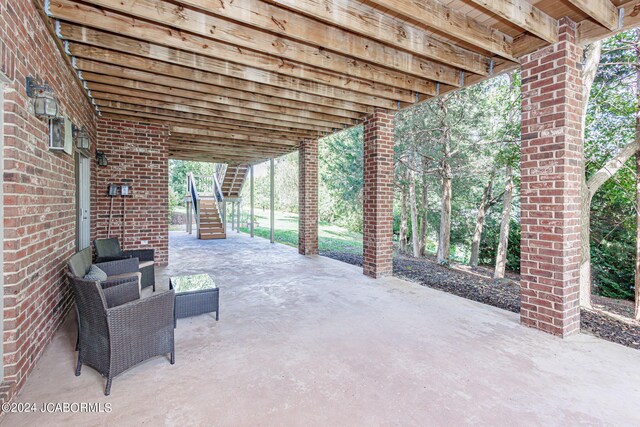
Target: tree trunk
403, 214
637, 277
637, 140
501, 257
477, 233
415, 243
444, 239
425, 207
589, 69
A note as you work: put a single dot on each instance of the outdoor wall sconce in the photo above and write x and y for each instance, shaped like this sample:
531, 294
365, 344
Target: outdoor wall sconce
82, 138
44, 103
101, 158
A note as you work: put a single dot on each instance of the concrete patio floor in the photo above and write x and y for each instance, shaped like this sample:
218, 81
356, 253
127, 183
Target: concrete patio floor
311, 341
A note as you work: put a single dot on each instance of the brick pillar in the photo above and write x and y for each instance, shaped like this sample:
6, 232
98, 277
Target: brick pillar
308, 198
378, 194
552, 172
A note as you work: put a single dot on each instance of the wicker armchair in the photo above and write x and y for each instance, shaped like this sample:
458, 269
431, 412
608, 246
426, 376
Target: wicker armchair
117, 329
109, 250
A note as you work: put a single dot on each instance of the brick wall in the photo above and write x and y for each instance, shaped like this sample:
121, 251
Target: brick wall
39, 192
308, 198
138, 156
378, 194
551, 167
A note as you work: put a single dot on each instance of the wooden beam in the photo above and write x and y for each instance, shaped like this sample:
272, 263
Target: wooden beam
524, 15
171, 115
142, 80
240, 131
602, 11
52, 32
153, 64
201, 81
205, 111
338, 36
268, 53
434, 14
231, 143
212, 144
203, 156
212, 134
105, 83
221, 147
100, 89
185, 146
216, 158
589, 32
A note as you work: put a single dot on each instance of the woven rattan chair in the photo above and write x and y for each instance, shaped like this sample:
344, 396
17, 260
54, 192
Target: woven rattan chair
117, 329
109, 250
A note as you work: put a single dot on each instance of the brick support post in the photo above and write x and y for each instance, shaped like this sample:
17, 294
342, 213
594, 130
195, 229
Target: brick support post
308, 198
552, 173
378, 194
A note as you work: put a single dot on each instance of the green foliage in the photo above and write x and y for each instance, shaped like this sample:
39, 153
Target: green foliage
178, 170
489, 244
286, 184
340, 166
610, 126
613, 227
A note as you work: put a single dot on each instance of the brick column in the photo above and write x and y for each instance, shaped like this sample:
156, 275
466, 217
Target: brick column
308, 198
378, 194
552, 172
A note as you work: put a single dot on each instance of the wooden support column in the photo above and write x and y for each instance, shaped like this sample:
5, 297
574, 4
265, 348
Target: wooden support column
233, 215
253, 217
552, 174
308, 198
378, 194
272, 199
189, 218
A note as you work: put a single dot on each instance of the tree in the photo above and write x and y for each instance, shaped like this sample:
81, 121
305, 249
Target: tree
609, 142
503, 243
403, 216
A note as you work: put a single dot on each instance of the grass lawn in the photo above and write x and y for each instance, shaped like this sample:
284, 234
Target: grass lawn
330, 237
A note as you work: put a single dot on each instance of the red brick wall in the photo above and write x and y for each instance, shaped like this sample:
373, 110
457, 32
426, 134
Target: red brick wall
378, 194
39, 192
138, 156
308, 198
551, 167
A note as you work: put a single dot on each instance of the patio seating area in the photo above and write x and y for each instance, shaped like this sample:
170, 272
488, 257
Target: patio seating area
312, 341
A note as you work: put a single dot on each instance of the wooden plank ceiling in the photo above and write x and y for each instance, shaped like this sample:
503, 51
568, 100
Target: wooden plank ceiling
240, 81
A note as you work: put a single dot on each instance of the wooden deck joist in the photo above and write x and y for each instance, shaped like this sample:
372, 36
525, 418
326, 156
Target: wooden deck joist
244, 80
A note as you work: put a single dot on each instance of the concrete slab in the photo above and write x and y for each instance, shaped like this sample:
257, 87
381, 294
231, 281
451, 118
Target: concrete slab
311, 341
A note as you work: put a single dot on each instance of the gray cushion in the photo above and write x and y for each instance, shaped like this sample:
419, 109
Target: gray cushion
80, 263
144, 264
95, 274
108, 247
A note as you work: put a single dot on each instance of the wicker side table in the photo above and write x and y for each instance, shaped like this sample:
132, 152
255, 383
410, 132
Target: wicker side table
195, 294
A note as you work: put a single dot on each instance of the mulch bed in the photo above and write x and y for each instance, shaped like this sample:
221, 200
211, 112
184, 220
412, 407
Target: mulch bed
477, 284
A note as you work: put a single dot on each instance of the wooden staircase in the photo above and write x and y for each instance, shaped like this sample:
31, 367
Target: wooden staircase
211, 226
233, 180
204, 199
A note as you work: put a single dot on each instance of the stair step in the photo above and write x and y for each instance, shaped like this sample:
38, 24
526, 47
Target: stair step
212, 229
205, 236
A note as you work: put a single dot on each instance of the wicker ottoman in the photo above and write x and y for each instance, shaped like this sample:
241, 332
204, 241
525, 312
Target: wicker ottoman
195, 294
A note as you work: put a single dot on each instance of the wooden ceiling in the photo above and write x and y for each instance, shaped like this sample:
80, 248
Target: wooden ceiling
240, 81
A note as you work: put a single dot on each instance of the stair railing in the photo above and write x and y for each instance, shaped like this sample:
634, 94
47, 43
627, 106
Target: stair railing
195, 199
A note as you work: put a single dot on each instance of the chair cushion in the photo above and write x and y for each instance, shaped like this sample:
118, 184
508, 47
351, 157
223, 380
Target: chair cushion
108, 247
144, 264
95, 274
80, 263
